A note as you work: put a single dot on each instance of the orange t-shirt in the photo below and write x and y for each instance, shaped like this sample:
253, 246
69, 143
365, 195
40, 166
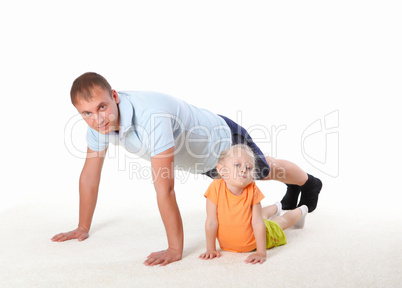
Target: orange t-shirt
234, 213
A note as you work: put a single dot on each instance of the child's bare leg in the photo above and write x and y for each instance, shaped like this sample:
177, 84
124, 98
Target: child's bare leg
292, 217
272, 210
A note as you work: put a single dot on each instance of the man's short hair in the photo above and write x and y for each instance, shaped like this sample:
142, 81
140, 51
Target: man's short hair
84, 85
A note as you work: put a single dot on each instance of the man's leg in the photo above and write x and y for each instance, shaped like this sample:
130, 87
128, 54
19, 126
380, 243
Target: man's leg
285, 172
297, 181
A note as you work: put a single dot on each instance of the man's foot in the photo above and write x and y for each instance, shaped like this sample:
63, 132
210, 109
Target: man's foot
289, 201
309, 193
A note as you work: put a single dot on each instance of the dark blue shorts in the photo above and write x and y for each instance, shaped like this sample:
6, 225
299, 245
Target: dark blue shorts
241, 136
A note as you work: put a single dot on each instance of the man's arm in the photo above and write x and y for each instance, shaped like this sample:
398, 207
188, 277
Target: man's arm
163, 177
88, 186
260, 236
211, 229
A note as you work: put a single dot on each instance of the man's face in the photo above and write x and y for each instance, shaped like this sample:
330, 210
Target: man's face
101, 112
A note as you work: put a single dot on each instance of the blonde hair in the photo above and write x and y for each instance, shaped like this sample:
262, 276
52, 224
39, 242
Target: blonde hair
226, 153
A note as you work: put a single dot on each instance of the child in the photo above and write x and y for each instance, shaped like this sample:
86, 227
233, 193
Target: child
234, 212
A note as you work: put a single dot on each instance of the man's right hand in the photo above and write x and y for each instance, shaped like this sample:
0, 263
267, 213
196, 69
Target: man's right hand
80, 234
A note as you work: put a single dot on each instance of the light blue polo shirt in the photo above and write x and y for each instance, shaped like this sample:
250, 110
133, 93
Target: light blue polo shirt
152, 122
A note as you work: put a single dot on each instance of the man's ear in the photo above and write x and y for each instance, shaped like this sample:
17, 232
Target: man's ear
115, 96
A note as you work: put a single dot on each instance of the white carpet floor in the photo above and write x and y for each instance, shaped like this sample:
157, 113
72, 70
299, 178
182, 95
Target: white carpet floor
340, 246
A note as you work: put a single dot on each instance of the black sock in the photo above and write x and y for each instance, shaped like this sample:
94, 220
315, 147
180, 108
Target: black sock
289, 201
309, 193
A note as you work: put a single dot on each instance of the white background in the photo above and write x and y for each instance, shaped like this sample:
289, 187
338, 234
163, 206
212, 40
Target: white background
275, 63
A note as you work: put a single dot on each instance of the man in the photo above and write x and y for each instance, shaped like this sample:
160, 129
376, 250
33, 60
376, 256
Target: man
171, 134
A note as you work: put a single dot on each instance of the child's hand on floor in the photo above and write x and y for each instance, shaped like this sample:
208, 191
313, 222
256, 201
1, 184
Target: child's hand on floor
210, 255
256, 258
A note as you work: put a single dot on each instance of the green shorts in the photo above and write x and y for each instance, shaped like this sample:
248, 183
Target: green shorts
275, 235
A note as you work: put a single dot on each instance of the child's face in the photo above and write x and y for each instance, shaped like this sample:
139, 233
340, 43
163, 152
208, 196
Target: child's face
237, 169
101, 112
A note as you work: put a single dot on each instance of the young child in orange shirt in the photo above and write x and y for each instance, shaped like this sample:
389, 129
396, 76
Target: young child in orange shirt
234, 213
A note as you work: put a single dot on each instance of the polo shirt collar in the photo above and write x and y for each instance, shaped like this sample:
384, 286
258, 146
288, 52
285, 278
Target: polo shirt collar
126, 114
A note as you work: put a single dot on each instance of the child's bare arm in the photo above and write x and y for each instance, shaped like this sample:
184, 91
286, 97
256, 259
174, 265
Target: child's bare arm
88, 186
260, 236
211, 229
